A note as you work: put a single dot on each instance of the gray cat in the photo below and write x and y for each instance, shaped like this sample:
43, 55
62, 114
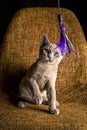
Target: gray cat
38, 85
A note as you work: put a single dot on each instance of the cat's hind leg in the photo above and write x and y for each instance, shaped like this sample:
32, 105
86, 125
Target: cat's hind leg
23, 101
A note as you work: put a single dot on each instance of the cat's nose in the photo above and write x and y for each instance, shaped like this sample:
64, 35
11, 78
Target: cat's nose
50, 56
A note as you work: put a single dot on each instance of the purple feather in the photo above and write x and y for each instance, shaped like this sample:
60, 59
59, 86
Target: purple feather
64, 44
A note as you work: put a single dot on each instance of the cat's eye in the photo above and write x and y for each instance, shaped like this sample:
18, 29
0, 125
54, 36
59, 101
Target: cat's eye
47, 51
56, 54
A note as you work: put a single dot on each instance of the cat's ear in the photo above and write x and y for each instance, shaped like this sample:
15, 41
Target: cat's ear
44, 41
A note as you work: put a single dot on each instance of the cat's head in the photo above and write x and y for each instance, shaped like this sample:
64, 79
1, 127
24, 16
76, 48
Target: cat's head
47, 51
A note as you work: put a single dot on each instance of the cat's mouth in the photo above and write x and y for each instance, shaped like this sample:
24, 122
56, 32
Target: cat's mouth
49, 59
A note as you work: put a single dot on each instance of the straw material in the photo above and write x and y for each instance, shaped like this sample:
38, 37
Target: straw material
20, 48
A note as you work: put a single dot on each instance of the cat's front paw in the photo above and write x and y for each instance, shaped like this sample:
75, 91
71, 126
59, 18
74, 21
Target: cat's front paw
54, 111
38, 100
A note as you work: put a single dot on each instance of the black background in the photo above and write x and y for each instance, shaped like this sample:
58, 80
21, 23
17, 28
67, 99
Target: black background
9, 7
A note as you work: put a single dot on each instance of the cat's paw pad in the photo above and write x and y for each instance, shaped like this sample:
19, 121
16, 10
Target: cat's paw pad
54, 111
21, 104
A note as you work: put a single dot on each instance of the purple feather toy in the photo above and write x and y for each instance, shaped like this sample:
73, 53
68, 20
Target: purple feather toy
64, 44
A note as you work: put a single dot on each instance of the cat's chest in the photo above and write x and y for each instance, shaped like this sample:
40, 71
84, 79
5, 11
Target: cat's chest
46, 72
45, 75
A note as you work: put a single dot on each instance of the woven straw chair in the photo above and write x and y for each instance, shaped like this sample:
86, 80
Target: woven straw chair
20, 48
